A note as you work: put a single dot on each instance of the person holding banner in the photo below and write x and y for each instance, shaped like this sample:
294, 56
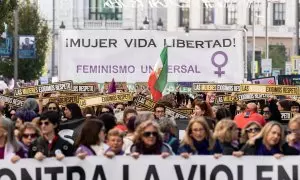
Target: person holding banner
249, 131
50, 144
269, 142
148, 140
9, 147
198, 140
115, 143
293, 132
227, 133
91, 139
28, 133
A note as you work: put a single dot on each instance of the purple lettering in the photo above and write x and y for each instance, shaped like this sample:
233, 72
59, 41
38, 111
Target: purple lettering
85, 69
79, 68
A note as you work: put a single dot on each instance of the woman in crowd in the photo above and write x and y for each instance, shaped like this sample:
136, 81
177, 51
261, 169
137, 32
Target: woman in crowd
52, 106
167, 127
293, 133
222, 113
88, 112
227, 133
283, 105
50, 144
70, 129
270, 141
272, 112
104, 109
115, 143
198, 139
23, 115
127, 114
148, 140
91, 139
249, 132
128, 139
202, 108
9, 147
109, 121
28, 133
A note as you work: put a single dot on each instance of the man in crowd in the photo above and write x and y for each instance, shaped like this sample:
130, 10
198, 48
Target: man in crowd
250, 114
159, 111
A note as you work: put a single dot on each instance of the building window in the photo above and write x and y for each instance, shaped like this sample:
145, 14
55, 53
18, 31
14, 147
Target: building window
208, 13
278, 14
98, 11
184, 15
257, 13
231, 13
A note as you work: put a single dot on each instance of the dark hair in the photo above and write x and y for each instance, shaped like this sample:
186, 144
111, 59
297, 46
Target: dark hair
222, 113
52, 116
88, 110
204, 106
109, 121
99, 110
131, 125
89, 134
127, 111
159, 105
51, 102
285, 104
75, 110
25, 115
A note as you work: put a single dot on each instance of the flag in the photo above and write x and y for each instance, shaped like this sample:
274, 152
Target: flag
159, 76
112, 87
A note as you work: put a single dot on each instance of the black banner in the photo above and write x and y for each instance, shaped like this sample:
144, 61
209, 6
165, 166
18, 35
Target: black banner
83, 88
45, 88
12, 101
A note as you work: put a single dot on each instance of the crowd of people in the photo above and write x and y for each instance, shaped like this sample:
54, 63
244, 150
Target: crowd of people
237, 129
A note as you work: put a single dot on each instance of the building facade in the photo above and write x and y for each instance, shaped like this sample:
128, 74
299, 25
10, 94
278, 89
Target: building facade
178, 14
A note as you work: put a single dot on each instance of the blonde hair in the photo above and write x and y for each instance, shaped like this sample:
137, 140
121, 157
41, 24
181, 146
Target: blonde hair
187, 139
138, 134
244, 136
224, 131
115, 132
295, 119
265, 131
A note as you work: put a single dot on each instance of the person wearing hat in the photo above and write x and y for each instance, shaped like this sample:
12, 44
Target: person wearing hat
50, 144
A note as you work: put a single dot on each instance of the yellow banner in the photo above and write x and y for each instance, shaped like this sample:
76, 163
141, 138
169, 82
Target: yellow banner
203, 87
270, 89
62, 100
12, 101
105, 99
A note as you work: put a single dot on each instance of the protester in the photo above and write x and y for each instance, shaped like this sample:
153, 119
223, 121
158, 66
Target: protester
249, 131
50, 144
227, 133
109, 121
128, 139
31, 104
270, 141
115, 143
293, 132
267, 113
283, 105
52, 106
202, 108
88, 112
120, 107
70, 129
250, 114
148, 140
104, 109
9, 147
159, 111
91, 139
28, 133
23, 115
198, 139
167, 127
222, 113
127, 114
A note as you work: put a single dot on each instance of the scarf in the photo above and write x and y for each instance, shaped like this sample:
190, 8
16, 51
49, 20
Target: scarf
262, 150
201, 147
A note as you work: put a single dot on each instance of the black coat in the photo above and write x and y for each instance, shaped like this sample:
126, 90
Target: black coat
228, 148
252, 149
41, 145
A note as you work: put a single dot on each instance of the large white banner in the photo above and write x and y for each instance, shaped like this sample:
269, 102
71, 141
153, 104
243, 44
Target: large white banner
99, 56
154, 168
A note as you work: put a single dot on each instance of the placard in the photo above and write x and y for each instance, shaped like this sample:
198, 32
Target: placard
188, 111
201, 87
83, 88
249, 97
225, 99
12, 101
269, 89
62, 100
105, 99
286, 115
45, 88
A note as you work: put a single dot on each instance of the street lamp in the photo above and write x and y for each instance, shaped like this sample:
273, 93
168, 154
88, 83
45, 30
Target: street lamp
146, 23
160, 24
62, 26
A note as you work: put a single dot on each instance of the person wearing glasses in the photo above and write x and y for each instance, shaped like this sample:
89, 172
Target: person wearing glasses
269, 142
50, 144
249, 132
148, 140
293, 132
28, 133
52, 106
159, 111
198, 140
9, 147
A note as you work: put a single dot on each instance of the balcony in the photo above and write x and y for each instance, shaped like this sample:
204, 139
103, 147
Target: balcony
103, 24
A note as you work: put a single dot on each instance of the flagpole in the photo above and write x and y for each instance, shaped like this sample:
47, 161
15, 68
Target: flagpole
16, 43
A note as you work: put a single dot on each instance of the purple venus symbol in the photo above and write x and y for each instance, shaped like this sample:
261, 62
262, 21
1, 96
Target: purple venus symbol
219, 72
